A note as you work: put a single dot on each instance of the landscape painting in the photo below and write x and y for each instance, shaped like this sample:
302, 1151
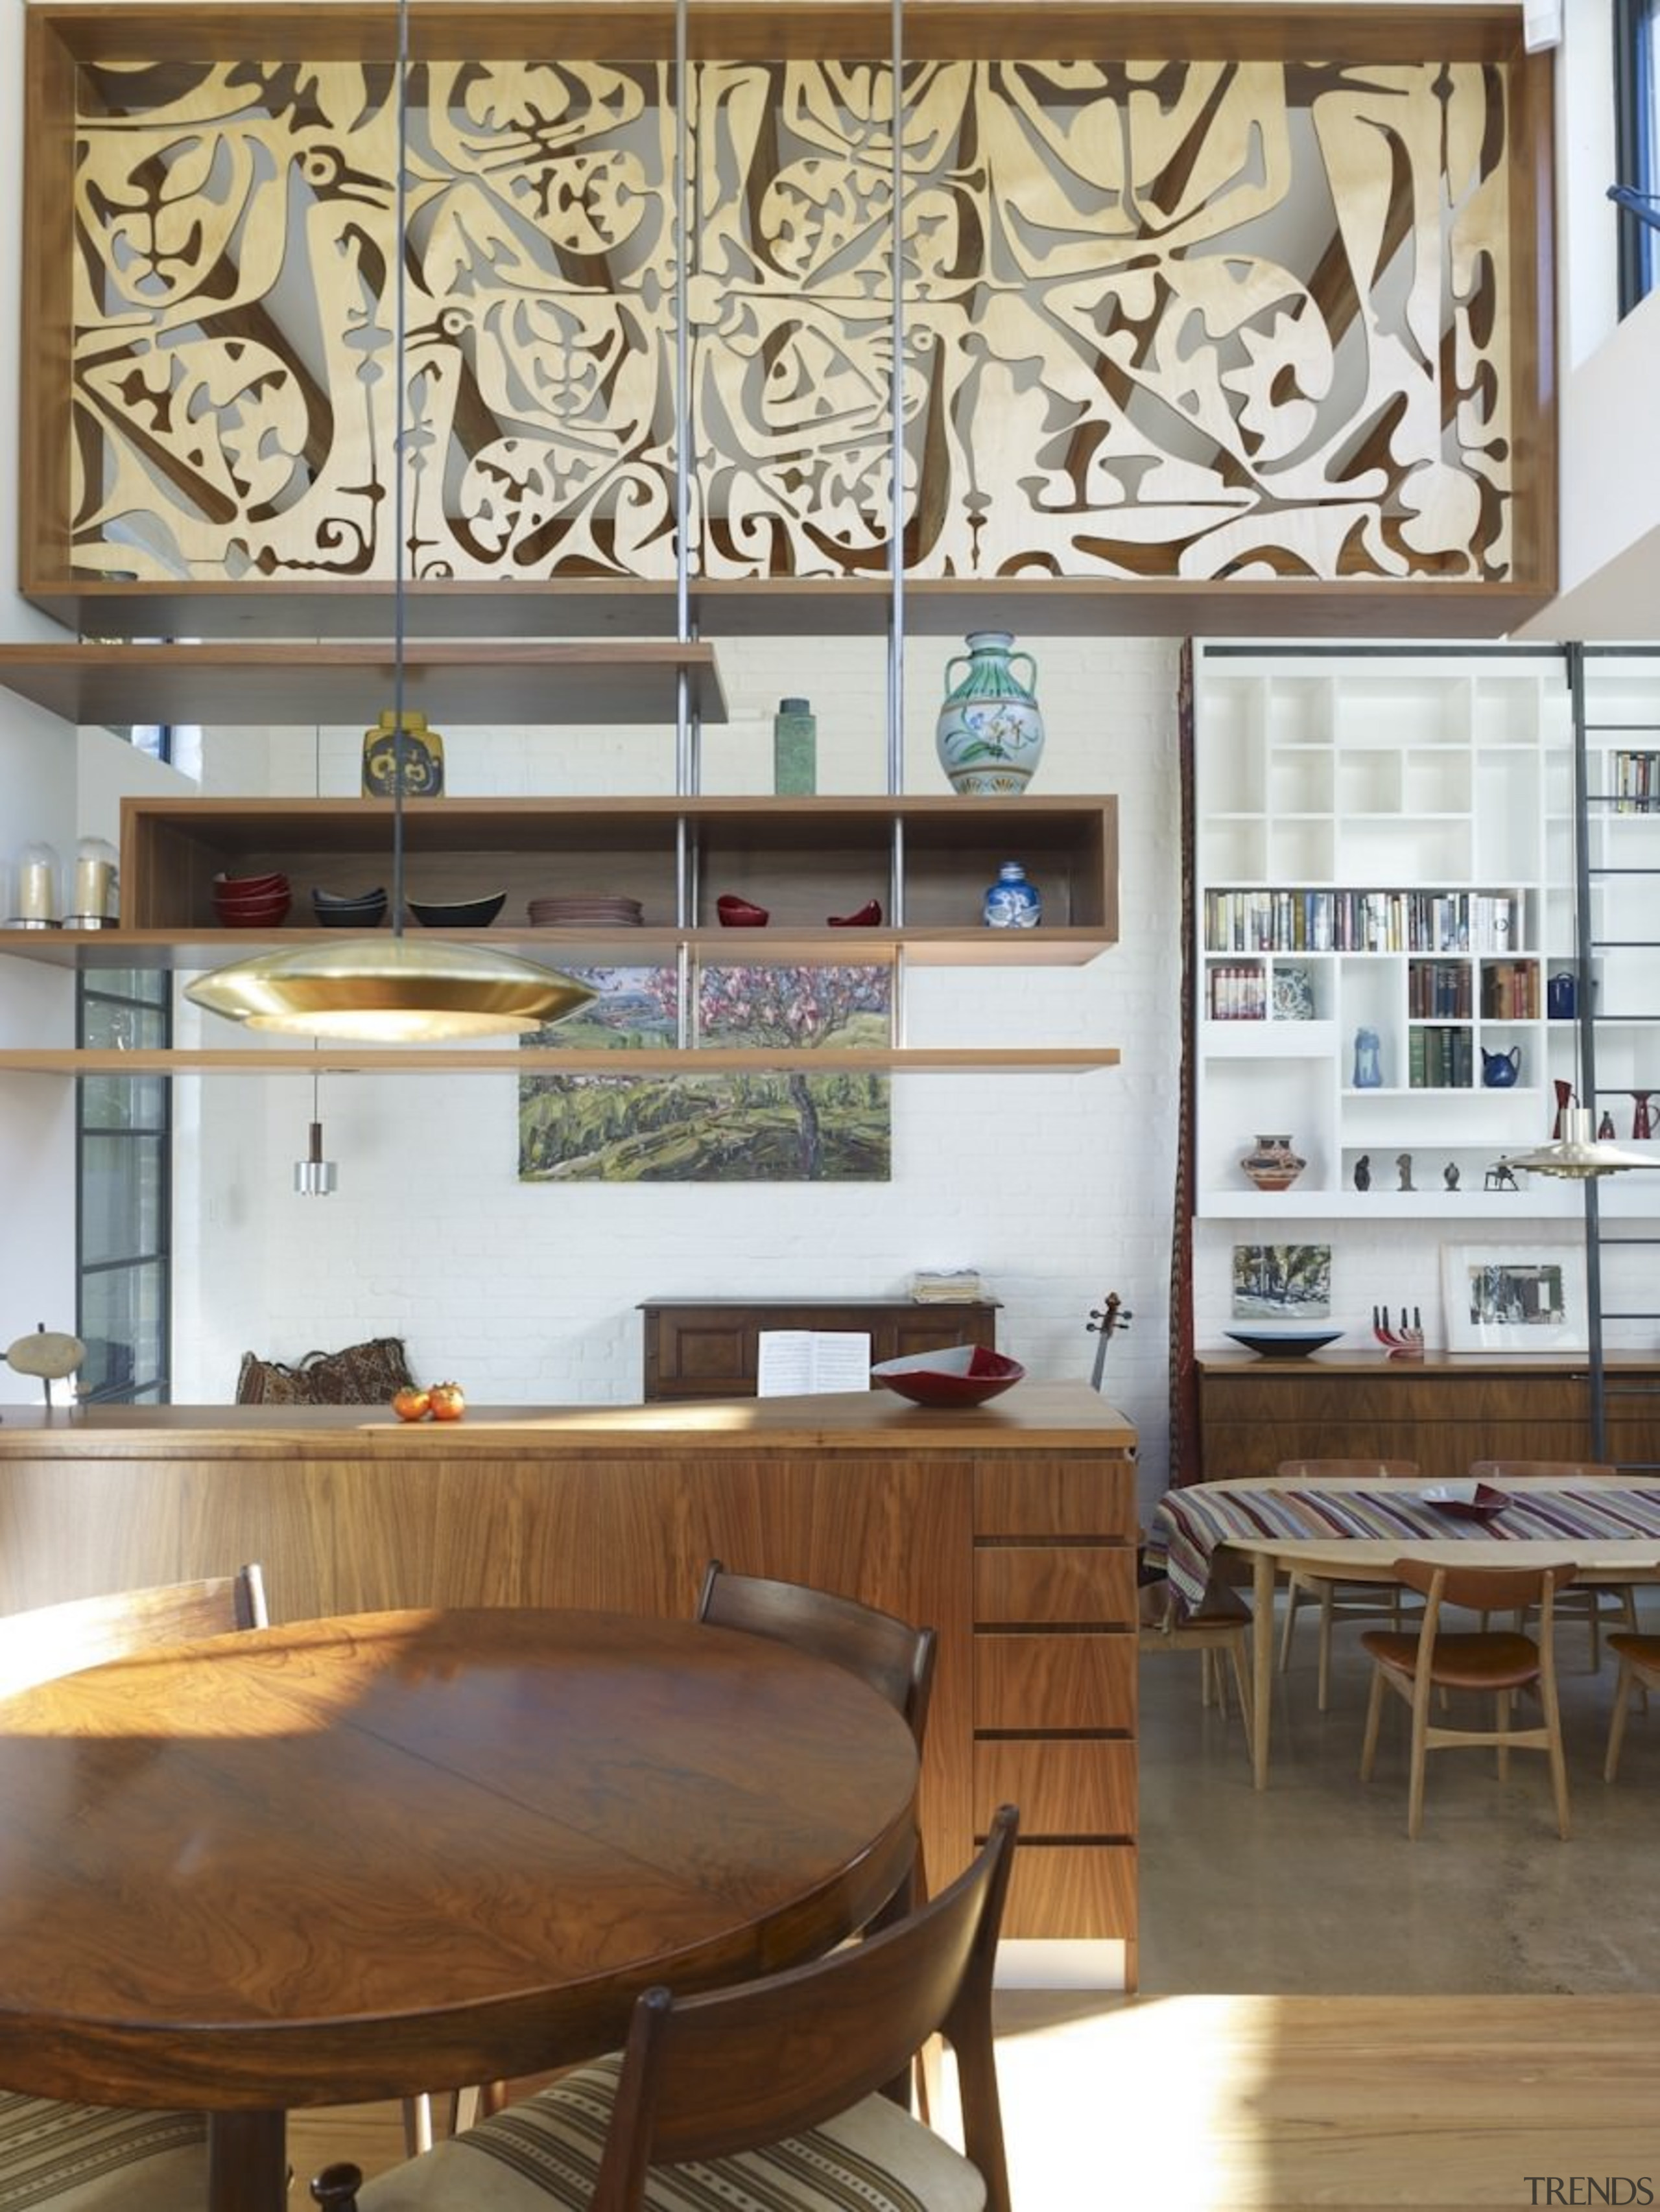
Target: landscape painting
1282, 1282
768, 1127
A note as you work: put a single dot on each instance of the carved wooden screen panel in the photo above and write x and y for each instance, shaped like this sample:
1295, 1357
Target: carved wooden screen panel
1186, 320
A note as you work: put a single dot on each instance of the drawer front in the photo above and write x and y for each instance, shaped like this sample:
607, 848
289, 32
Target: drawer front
1080, 1890
1032, 1682
1084, 1585
1092, 1497
1072, 1787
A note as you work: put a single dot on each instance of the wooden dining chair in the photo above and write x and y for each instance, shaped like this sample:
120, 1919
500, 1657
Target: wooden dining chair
1219, 1631
1339, 1600
1493, 1663
896, 1659
1592, 1601
96, 2158
1639, 1672
765, 2094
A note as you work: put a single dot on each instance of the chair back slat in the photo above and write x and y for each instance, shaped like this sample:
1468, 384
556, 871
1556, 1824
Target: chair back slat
1483, 1590
1364, 1470
896, 1659
1564, 1470
708, 2075
53, 1640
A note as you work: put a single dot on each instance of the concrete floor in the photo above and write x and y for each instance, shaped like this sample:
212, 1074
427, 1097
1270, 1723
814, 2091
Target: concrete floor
1313, 1885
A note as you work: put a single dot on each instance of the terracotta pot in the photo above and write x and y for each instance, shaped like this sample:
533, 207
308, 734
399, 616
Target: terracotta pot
1272, 1165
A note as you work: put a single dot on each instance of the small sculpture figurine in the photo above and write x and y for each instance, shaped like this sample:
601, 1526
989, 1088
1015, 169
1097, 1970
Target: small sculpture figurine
1500, 1177
1362, 1172
1403, 1343
1403, 1161
1450, 1174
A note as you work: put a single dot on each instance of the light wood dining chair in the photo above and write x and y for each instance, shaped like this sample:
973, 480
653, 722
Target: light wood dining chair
95, 2158
1219, 1631
1639, 1672
1494, 1662
1593, 1602
766, 2094
1339, 1600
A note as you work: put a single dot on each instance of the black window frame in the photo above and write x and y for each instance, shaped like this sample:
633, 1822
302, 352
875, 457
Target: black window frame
1636, 153
90, 991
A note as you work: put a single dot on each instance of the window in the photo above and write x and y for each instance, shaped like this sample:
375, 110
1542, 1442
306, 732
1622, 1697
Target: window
1637, 92
124, 1215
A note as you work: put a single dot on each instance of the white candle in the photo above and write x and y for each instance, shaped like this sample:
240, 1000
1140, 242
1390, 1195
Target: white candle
36, 900
92, 884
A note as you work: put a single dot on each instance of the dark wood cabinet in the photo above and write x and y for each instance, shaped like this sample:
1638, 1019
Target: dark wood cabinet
707, 1347
1444, 1410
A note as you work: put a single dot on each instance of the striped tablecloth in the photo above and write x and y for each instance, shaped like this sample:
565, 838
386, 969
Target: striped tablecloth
1188, 1525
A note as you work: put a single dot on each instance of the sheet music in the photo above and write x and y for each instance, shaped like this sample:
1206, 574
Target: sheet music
800, 1362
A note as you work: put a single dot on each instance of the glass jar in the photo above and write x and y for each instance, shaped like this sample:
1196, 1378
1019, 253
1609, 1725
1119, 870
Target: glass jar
38, 904
95, 884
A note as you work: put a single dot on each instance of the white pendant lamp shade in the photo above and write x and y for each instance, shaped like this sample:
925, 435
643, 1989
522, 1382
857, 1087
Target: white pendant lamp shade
389, 990
1578, 1154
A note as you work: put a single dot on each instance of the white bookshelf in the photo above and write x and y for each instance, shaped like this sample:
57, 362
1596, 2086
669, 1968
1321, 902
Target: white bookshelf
1383, 843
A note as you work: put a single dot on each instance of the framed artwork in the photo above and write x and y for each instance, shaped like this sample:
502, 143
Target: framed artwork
766, 1128
1515, 1297
1282, 1282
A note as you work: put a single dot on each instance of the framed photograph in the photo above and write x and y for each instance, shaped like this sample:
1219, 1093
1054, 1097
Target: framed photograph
1282, 1282
1515, 1297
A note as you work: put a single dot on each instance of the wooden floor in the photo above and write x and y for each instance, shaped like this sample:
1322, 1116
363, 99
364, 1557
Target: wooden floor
1260, 2104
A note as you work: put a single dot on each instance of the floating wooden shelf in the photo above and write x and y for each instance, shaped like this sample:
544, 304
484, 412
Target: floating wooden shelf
634, 948
446, 1060
786, 606
534, 680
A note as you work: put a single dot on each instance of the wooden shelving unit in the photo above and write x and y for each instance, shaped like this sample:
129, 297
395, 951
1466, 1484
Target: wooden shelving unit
449, 681
443, 1060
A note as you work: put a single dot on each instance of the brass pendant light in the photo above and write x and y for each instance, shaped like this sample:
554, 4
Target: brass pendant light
393, 990
1578, 1154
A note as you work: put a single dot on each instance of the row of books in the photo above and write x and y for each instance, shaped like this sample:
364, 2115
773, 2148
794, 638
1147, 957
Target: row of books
1440, 1060
1510, 990
1439, 986
1239, 994
1363, 921
1636, 777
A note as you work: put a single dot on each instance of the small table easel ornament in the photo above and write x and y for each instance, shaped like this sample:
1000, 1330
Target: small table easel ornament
1402, 1343
1103, 1322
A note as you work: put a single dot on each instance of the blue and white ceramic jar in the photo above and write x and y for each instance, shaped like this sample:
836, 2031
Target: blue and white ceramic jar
1013, 902
990, 731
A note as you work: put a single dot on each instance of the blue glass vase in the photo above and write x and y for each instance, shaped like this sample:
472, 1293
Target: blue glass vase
1013, 902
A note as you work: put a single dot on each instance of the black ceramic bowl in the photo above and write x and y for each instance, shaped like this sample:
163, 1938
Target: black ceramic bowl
458, 914
1283, 1344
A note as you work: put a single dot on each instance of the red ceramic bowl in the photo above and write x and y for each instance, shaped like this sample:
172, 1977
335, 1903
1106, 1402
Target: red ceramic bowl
1468, 1501
249, 886
252, 913
739, 914
869, 916
962, 1374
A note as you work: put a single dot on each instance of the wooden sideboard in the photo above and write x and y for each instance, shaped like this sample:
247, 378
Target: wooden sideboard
706, 1347
1444, 1410
1010, 1528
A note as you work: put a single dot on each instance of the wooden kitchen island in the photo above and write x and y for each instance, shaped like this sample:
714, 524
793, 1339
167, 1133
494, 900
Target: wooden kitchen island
1009, 1527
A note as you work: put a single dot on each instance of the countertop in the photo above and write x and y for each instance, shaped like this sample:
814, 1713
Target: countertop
1033, 1416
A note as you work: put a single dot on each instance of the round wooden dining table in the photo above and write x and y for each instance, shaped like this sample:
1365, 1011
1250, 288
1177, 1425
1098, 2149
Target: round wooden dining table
364, 1857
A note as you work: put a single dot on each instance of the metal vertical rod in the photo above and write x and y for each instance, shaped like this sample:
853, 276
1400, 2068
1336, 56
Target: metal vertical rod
400, 226
896, 466
686, 765
1584, 943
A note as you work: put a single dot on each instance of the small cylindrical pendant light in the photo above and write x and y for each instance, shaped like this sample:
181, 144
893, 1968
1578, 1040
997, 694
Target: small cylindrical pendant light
315, 1176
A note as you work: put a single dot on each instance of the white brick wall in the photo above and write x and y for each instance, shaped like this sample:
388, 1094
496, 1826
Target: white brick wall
1057, 1187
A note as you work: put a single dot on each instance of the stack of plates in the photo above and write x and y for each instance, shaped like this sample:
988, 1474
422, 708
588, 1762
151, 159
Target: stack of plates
585, 910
